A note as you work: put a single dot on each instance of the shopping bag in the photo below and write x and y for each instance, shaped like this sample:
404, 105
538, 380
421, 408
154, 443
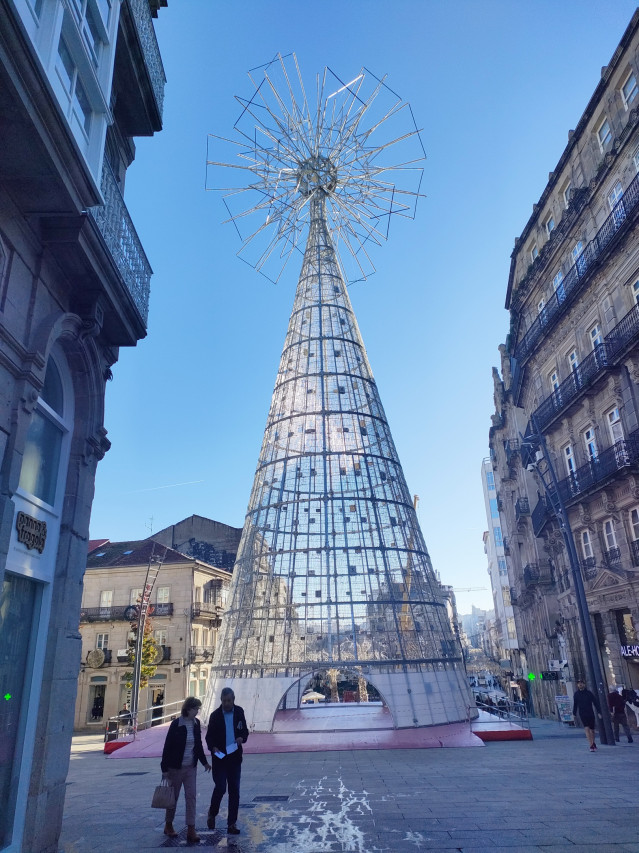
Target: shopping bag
163, 796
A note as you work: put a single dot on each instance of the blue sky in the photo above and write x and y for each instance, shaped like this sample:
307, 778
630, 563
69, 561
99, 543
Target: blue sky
496, 86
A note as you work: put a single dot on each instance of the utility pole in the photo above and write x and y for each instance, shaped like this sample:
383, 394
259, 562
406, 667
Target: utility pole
536, 443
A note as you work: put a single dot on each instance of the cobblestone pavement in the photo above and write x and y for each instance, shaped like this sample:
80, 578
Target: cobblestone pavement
549, 795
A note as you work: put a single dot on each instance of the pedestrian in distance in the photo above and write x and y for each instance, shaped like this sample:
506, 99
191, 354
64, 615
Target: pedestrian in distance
586, 705
617, 706
182, 751
225, 735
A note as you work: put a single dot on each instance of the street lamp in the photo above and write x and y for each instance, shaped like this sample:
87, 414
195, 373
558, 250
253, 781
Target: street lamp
535, 442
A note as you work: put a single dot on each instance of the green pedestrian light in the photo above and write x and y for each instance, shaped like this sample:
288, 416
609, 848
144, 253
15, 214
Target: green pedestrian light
7, 696
531, 676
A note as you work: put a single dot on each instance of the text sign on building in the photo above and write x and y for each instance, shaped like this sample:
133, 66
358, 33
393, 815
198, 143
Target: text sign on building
31, 531
630, 651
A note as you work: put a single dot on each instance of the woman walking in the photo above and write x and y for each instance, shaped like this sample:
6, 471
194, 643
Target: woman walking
181, 753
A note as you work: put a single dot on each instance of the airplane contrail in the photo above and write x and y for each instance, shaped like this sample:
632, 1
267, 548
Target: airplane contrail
170, 486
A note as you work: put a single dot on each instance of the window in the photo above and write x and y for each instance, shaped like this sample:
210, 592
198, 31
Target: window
198, 594
512, 634
550, 225
604, 134
505, 594
635, 291
586, 545
494, 509
609, 534
634, 523
629, 90
196, 636
68, 75
136, 596
553, 380
163, 595
498, 537
106, 601
635, 159
41, 459
558, 287
570, 459
615, 426
36, 6
596, 338
578, 257
503, 569
205, 637
614, 195
102, 641
534, 252
541, 311
591, 444
161, 637
573, 361
566, 193
490, 477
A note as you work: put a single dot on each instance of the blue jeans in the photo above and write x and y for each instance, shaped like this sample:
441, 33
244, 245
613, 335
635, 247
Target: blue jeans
226, 771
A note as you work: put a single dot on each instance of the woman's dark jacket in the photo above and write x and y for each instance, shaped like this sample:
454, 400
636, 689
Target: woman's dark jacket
175, 744
216, 731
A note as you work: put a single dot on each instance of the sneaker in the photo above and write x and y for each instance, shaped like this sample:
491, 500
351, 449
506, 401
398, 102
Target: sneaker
593, 748
233, 830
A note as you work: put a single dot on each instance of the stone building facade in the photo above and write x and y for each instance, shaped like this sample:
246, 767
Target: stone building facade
187, 603
79, 79
571, 359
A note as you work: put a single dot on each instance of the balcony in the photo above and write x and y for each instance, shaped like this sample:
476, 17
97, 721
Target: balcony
121, 614
506, 546
207, 610
121, 238
575, 280
634, 552
141, 14
201, 654
612, 559
605, 355
166, 653
511, 447
522, 508
619, 457
589, 568
540, 515
537, 573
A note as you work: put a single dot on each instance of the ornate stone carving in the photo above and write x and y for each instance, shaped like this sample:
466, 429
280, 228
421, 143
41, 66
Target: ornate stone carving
608, 501
584, 513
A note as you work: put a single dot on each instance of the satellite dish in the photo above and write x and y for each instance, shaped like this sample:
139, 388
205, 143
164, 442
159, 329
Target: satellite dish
159, 655
95, 658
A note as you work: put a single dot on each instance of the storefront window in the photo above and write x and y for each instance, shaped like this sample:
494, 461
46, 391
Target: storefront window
18, 600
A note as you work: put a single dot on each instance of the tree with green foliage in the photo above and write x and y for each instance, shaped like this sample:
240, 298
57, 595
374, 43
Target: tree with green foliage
149, 654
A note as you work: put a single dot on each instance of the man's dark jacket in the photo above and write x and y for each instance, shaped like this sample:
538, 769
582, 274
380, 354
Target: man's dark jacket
216, 732
582, 703
616, 703
175, 744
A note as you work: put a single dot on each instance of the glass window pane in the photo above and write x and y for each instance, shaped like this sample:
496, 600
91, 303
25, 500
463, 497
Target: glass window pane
104, 6
52, 393
17, 606
65, 65
82, 106
41, 460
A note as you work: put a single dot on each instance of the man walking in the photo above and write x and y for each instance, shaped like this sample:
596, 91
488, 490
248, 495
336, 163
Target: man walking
583, 704
225, 735
617, 706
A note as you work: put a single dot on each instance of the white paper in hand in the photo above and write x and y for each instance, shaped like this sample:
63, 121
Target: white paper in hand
218, 754
231, 747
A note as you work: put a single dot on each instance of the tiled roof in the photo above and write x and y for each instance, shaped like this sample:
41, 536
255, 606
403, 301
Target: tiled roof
135, 553
94, 544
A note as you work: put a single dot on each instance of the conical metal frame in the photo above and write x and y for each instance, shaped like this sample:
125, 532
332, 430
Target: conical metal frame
332, 569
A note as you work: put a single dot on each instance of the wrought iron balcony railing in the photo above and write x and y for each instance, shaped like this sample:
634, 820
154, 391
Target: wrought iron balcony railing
522, 508
595, 364
634, 552
540, 515
612, 558
618, 457
589, 568
125, 613
201, 653
150, 50
534, 574
122, 241
207, 610
575, 279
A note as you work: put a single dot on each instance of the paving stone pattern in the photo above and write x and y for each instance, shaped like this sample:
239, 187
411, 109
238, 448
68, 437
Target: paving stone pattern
549, 795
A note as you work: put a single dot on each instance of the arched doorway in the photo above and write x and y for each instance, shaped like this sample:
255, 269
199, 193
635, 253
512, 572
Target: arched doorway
332, 699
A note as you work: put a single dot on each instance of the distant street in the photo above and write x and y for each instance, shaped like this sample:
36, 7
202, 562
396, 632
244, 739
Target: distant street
548, 795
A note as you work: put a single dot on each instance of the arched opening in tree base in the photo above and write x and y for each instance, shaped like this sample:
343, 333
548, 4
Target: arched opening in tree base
332, 699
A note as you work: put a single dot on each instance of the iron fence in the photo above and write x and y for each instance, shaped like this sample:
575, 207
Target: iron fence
152, 59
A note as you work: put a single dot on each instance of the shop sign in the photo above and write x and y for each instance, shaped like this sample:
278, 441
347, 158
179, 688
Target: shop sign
31, 531
630, 651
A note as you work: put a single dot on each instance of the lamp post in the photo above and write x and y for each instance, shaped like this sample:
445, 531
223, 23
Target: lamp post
536, 441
